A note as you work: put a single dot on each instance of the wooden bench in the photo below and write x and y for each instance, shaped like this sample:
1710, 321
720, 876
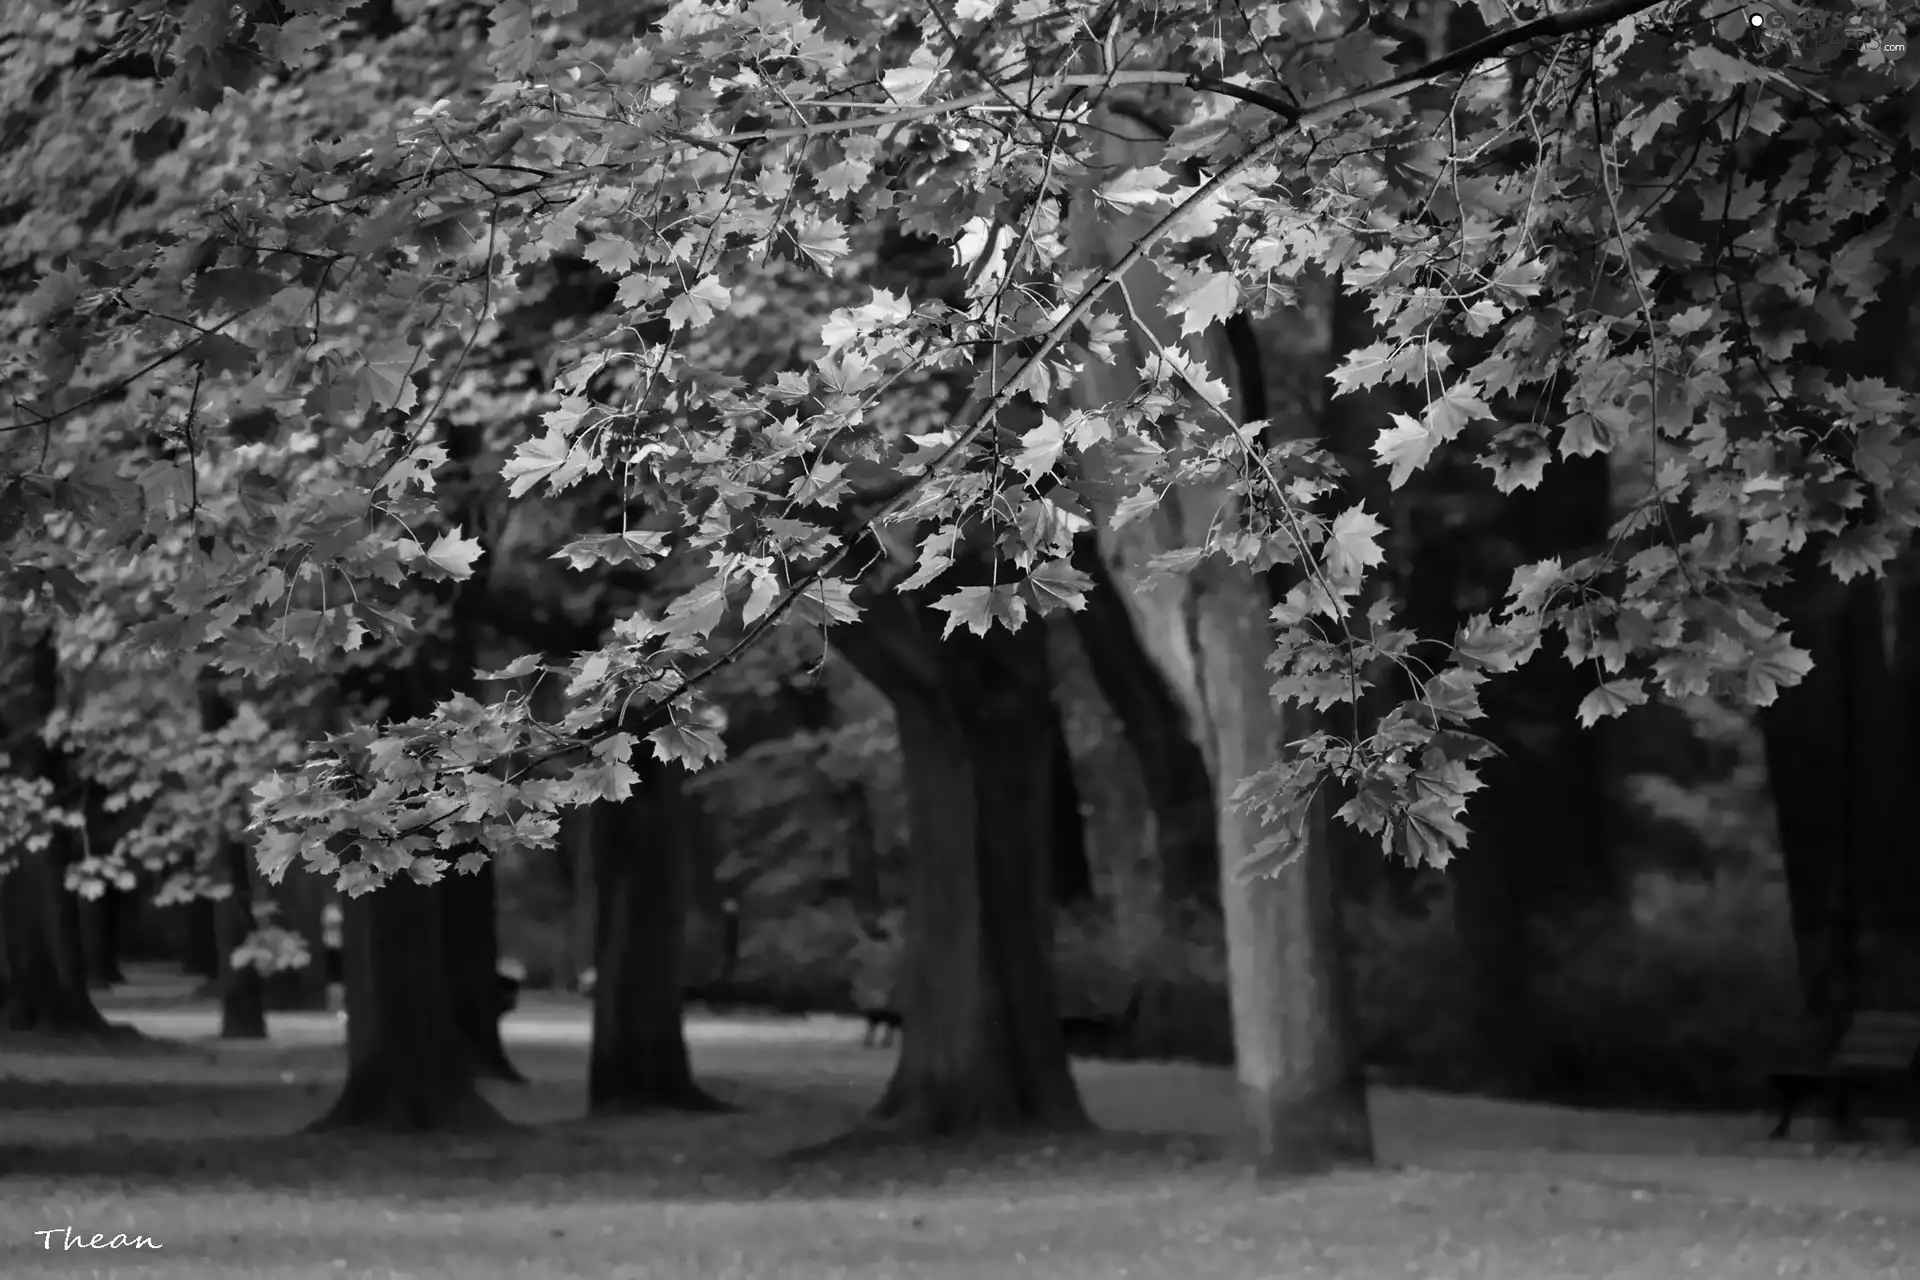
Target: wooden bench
1877, 1049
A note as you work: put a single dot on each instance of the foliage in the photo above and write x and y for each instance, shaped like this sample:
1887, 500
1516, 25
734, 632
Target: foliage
1629, 228
1730, 816
1687, 1001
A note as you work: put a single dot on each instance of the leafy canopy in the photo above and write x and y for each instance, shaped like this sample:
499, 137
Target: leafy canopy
266, 253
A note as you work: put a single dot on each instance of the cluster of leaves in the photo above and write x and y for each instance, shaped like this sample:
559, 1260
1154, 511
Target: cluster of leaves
1621, 229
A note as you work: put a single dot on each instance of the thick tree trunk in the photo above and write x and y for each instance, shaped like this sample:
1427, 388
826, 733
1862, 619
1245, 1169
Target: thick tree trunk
639, 1060
471, 933
981, 1047
46, 988
408, 1068
1296, 1051
1892, 880
1826, 745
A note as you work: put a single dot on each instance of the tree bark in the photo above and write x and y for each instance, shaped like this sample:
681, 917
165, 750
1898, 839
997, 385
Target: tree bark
100, 939
471, 932
1297, 1054
1826, 741
408, 1068
243, 994
577, 846
640, 851
301, 896
981, 1048
1072, 878
1834, 743
1161, 732
200, 939
1124, 850
243, 1004
46, 988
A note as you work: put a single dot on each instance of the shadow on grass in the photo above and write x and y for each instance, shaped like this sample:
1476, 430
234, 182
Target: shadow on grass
743, 1154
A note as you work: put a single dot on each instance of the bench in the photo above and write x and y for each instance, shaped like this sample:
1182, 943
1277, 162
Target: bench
1877, 1049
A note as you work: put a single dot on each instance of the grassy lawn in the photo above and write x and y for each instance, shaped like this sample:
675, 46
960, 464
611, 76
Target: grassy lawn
189, 1144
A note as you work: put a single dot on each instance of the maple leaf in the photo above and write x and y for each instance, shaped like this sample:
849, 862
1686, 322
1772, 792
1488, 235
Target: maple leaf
1211, 300
1136, 187
1135, 505
1774, 664
824, 603
978, 608
760, 596
550, 458
697, 305
1353, 543
615, 748
638, 290
1429, 832
632, 547
908, 84
1534, 584
524, 665
389, 369
822, 241
614, 256
1056, 584
608, 780
1614, 698
1459, 405
454, 555
1405, 447
692, 745
427, 870
838, 181
1040, 449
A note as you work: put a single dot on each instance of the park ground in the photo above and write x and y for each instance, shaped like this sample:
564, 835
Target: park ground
191, 1143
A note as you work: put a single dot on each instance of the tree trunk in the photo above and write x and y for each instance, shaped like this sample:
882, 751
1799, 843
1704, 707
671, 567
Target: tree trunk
200, 939
1072, 873
1295, 1042
100, 939
1826, 742
981, 1048
471, 932
577, 843
1178, 786
640, 851
243, 1004
1127, 868
1297, 1054
46, 987
408, 1068
243, 994
301, 896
